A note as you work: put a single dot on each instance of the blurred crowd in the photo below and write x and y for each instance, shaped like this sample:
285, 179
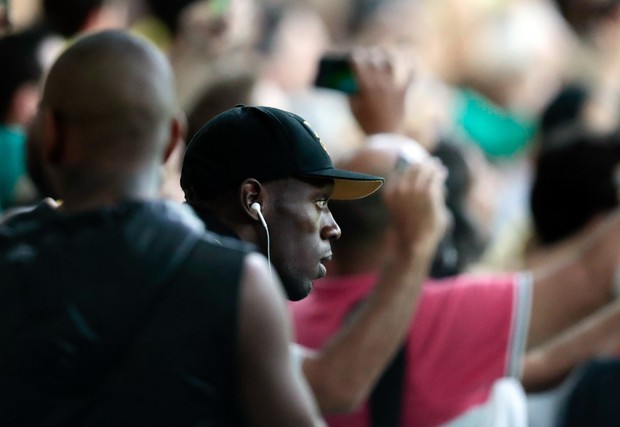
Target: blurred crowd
520, 99
492, 78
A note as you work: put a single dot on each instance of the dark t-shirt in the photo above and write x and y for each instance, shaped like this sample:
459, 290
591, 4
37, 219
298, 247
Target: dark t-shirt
116, 317
594, 400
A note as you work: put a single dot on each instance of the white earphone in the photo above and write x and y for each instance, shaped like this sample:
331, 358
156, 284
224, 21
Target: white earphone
256, 208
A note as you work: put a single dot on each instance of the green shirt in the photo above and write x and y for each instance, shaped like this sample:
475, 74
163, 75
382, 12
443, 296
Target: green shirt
499, 132
12, 163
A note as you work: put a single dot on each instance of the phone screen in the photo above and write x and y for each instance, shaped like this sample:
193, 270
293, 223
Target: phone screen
335, 72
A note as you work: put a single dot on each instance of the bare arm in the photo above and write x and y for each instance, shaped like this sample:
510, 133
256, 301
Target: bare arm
272, 392
598, 334
343, 372
574, 279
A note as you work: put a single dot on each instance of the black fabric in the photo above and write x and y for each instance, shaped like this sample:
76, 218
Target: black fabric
595, 400
123, 316
267, 144
386, 397
213, 222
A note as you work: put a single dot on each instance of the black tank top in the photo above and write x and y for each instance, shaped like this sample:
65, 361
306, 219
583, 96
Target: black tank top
119, 317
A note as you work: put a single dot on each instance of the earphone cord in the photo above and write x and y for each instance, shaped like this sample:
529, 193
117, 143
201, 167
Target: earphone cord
262, 220
268, 252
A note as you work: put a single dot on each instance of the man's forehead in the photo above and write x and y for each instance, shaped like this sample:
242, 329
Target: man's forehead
325, 184
297, 184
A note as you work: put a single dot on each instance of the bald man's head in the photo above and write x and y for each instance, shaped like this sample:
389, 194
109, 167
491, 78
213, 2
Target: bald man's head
380, 156
113, 85
109, 111
363, 222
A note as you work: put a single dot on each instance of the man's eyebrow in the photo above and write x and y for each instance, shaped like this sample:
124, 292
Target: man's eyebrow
327, 190
327, 186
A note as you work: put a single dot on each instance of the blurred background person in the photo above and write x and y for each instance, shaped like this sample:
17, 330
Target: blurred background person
25, 56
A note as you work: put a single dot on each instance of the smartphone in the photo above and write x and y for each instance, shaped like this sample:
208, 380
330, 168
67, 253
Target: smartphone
336, 72
401, 163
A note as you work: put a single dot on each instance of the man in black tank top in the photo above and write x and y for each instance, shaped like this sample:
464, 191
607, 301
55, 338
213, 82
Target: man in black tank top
120, 310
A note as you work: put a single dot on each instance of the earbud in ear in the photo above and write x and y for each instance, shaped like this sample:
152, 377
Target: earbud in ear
256, 208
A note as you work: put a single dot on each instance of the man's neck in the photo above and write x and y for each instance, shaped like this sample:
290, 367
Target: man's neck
88, 194
213, 221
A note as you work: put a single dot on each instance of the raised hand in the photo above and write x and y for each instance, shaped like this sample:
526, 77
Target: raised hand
415, 197
383, 78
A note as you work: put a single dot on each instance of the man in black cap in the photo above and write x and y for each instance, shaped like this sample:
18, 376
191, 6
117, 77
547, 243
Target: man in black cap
117, 309
252, 154
262, 175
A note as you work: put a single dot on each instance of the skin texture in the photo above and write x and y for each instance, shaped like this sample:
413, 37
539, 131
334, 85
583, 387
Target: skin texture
303, 228
104, 140
548, 364
579, 272
300, 226
269, 372
116, 144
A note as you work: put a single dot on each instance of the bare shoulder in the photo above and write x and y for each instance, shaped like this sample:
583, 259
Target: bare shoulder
272, 392
257, 282
262, 300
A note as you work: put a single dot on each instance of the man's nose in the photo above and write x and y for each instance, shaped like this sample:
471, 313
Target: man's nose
330, 230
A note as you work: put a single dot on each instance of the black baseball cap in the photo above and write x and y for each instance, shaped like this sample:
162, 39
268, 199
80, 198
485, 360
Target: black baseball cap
267, 144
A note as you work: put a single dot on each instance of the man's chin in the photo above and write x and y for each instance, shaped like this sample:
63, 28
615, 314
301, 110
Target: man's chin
297, 291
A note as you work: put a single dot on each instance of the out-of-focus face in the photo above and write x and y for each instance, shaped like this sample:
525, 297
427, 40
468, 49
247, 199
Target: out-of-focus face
300, 39
301, 228
214, 27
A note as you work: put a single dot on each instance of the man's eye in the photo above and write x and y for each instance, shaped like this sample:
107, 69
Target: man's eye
322, 203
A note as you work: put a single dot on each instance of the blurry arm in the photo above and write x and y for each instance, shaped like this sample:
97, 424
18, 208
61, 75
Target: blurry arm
343, 372
574, 278
272, 392
601, 108
546, 365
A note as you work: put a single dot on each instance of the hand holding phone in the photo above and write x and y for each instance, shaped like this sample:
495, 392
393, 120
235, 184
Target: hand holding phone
401, 164
376, 82
336, 72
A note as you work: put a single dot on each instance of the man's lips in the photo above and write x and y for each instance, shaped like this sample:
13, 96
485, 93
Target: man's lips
326, 258
322, 268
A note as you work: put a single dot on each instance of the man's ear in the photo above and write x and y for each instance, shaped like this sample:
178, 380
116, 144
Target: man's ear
251, 191
178, 131
53, 143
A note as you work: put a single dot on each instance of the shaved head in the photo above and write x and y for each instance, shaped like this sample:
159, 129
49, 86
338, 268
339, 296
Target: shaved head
379, 157
114, 81
363, 222
112, 102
